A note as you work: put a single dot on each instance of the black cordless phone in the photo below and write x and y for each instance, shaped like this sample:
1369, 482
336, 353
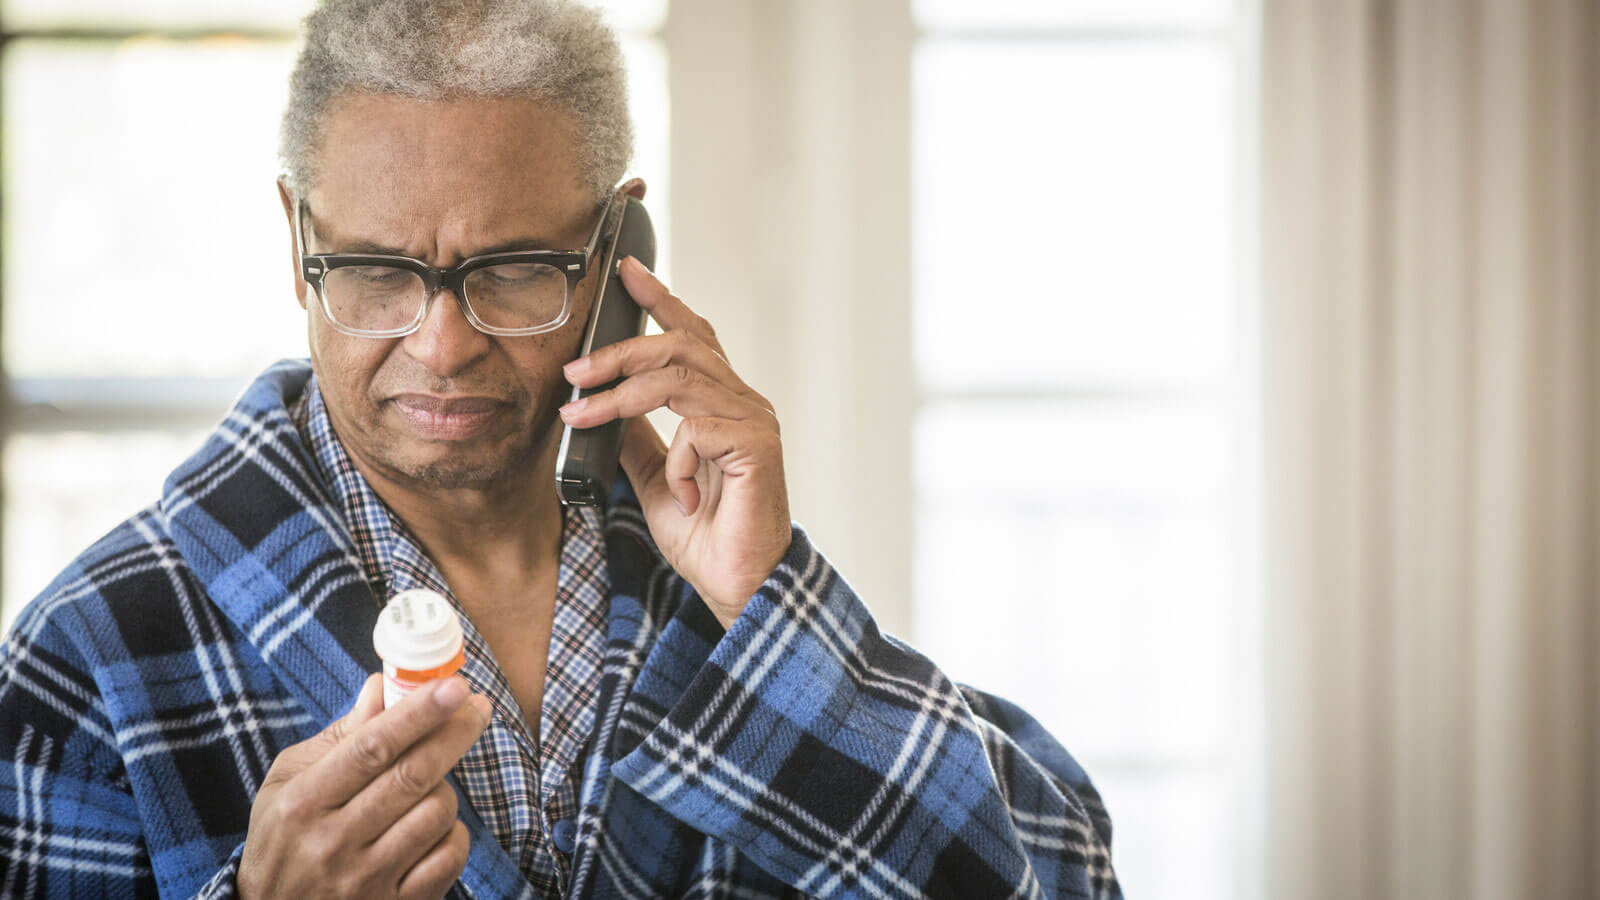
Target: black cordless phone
587, 461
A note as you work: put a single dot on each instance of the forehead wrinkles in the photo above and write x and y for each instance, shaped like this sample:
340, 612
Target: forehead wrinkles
443, 178
449, 234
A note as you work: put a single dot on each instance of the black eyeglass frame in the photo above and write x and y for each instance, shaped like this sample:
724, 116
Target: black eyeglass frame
574, 264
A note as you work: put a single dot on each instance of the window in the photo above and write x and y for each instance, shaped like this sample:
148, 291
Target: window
1082, 399
1083, 386
133, 137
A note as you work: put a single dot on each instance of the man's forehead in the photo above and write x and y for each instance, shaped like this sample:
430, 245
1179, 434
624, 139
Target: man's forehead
404, 172
465, 228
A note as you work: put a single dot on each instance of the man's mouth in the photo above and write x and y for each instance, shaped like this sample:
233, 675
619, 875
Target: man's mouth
448, 418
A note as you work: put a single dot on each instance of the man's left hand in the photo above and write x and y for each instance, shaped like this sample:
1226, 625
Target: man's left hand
715, 500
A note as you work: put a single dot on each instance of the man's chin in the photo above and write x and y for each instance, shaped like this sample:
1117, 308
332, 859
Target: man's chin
460, 474
470, 467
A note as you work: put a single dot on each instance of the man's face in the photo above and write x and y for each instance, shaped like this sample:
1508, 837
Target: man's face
446, 406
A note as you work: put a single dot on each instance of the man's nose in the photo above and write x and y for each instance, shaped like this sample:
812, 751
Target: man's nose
446, 342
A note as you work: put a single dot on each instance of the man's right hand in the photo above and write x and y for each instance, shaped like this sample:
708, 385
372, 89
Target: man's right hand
362, 809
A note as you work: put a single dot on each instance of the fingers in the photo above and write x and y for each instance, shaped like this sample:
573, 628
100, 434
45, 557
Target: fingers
436, 871
369, 703
678, 388
681, 467
669, 311
643, 457
371, 749
296, 758
683, 369
399, 827
643, 454
728, 444
727, 430
654, 351
422, 827
416, 772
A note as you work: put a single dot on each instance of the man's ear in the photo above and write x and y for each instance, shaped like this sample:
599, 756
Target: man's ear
634, 187
300, 285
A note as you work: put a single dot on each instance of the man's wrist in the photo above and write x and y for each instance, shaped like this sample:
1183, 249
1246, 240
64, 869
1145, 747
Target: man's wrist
728, 609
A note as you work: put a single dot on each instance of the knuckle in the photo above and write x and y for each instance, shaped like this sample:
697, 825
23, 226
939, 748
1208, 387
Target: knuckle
355, 882
277, 774
408, 777
342, 884
680, 373
441, 809
322, 853
336, 731
618, 354
370, 751
290, 804
604, 401
693, 430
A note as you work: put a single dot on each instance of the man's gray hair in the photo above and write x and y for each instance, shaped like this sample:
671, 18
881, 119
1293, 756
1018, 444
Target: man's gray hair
552, 50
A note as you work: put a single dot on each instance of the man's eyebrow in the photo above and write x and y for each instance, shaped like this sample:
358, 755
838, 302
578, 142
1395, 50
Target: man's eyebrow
373, 248
376, 249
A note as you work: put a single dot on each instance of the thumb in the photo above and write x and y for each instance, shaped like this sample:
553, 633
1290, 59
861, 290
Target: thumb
298, 757
644, 458
369, 702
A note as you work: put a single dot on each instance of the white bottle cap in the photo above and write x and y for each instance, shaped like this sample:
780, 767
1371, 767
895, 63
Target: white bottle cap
417, 630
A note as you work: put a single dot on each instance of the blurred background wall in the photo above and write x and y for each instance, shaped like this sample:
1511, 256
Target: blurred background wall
1212, 377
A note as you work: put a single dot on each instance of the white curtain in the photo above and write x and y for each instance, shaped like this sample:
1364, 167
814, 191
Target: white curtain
1431, 249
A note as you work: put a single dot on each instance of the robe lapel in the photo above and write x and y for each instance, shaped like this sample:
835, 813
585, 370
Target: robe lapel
651, 655
267, 542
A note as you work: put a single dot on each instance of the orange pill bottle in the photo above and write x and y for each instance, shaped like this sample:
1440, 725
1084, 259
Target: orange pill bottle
419, 639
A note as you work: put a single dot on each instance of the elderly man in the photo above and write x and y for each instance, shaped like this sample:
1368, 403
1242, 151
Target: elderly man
677, 696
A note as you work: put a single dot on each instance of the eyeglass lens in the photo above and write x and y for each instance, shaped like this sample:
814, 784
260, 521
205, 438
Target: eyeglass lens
383, 298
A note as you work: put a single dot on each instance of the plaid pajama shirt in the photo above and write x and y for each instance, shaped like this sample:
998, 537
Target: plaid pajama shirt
525, 790
802, 752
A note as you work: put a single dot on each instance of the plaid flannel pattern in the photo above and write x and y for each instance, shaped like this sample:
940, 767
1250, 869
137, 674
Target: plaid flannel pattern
800, 753
521, 787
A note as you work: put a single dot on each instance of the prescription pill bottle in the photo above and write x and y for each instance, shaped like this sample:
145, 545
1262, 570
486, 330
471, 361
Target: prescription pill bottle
419, 638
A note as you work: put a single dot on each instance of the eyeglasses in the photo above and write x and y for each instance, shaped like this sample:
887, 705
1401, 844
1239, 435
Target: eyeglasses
508, 294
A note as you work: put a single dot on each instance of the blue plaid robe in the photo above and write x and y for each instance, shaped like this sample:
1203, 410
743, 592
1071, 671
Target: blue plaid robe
144, 694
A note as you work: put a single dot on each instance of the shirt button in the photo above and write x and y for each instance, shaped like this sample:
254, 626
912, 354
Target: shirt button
562, 835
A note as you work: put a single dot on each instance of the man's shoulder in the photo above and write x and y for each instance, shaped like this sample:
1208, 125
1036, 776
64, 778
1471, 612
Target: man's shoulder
128, 587
129, 583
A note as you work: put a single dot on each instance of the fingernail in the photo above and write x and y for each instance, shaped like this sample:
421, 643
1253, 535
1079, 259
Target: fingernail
679, 504
575, 406
451, 694
577, 367
634, 261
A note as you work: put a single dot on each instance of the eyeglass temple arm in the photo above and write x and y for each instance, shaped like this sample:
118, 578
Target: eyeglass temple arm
300, 232
600, 225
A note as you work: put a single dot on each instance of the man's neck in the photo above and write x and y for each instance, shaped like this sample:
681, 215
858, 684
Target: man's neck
490, 542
